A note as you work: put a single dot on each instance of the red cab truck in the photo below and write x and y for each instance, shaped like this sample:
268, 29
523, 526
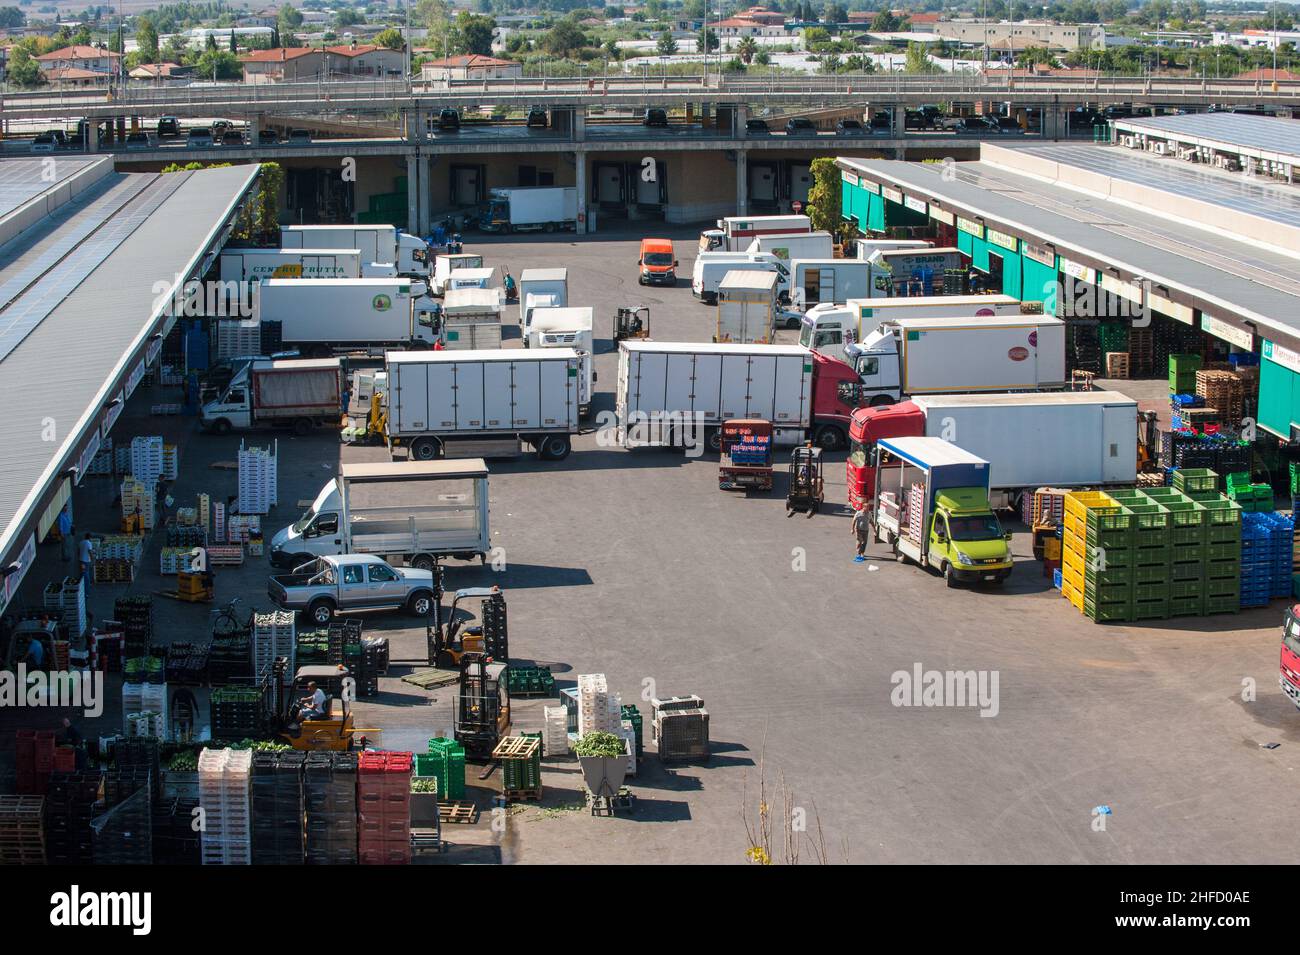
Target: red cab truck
746, 455
1289, 677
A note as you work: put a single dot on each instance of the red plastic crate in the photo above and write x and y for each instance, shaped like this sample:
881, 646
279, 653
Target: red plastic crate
65, 760
389, 855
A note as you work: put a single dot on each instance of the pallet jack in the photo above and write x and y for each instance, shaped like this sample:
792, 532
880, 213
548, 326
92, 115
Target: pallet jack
195, 585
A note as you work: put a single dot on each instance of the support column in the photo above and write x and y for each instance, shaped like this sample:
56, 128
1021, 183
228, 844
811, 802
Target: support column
739, 116
426, 194
580, 187
579, 124
413, 193
92, 135
898, 126
742, 182
254, 128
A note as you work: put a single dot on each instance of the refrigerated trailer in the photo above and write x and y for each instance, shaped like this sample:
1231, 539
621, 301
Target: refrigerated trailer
484, 403
377, 243
830, 328
734, 233
254, 265
411, 512
327, 314
813, 281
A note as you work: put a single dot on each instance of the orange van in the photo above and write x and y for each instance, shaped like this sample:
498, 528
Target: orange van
658, 267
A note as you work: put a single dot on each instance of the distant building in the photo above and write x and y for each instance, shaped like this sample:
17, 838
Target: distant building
282, 65
741, 26
161, 72
1023, 34
69, 76
470, 67
1264, 39
365, 59
87, 59
198, 37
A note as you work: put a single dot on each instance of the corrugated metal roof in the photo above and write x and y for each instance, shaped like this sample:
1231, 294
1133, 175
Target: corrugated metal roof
60, 373
1267, 134
22, 180
1223, 275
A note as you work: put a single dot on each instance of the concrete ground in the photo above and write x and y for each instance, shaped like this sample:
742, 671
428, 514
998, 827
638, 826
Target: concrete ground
634, 564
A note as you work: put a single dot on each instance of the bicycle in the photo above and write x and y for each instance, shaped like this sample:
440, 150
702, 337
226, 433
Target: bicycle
224, 621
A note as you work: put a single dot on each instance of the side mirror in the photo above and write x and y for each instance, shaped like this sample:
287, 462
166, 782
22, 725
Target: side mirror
676, 263
1007, 537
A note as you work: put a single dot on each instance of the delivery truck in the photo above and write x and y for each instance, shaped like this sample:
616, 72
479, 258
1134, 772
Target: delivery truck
787, 246
484, 403
711, 268
814, 281
568, 328
409, 254
321, 316
933, 509
746, 307
446, 263
1047, 439
734, 233
530, 209
471, 319
301, 394
254, 265
469, 278
913, 356
407, 512
680, 393
541, 288
899, 272
830, 328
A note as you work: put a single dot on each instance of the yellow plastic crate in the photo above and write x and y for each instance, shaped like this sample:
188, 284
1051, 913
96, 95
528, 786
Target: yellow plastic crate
1079, 503
1074, 577
1074, 560
1072, 594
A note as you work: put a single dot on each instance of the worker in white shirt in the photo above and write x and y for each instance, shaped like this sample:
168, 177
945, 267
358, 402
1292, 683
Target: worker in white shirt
312, 706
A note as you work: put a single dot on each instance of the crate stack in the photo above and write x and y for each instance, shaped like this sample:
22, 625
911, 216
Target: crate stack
135, 613
1223, 390
224, 778
147, 464
144, 708
1045, 507
384, 808
66, 601
34, 761
22, 832
274, 635
142, 756
371, 664
1141, 351
445, 761
530, 681
174, 840
237, 712
278, 807
1097, 557
123, 833
1267, 542
138, 499
521, 766
69, 809
631, 717
258, 485
330, 803
1084, 347
680, 727
1182, 372
1253, 498
555, 731
598, 709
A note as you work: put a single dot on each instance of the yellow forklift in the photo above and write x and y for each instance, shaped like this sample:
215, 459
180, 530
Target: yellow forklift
482, 704
632, 322
334, 730
457, 637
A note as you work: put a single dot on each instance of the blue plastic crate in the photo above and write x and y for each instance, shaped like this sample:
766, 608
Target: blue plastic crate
1056, 578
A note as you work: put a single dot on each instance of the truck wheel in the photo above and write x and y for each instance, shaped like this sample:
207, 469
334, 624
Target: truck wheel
550, 227
554, 447
949, 576
792, 322
321, 612
879, 401
713, 440
419, 604
422, 562
829, 438
221, 426
302, 427
425, 449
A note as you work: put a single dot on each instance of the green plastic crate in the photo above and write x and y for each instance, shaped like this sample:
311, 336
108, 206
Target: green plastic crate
1184, 589
1151, 590
1105, 611
1220, 604
1156, 609
1228, 550
1151, 573
1108, 592
1192, 480
1107, 559
1185, 606
1187, 570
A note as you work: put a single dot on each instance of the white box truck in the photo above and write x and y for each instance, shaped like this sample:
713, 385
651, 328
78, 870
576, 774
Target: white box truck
469, 278
446, 263
377, 243
746, 307
897, 272
541, 288
254, 265
734, 233
912, 356
568, 328
814, 281
1057, 439
471, 319
865, 248
293, 393
680, 393
530, 209
801, 245
830, 328
484, 403
711, 267
321, 316
412, 512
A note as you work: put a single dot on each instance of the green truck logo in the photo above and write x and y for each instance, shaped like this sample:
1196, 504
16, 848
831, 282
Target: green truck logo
381, 303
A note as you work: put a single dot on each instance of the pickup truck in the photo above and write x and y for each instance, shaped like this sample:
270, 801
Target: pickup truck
349, 582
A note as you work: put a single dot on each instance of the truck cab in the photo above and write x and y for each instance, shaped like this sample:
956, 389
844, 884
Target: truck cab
876, 362
932, 508
657, 262
268, 393
823, 328
412, 256
866, 427
1289, 675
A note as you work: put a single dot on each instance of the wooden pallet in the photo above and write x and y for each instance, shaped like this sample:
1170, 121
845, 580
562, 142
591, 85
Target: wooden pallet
22, 834
457, 813
521, 795
517, 747
1117, 364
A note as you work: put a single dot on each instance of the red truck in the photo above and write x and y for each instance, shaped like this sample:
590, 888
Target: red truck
866, 427
746, 455
1289, 677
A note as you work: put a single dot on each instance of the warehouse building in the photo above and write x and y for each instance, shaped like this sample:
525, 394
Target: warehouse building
1237, 142
88, 260
1201, 259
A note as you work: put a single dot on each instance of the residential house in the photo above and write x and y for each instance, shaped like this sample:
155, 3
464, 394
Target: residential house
742, 26
85, 59
473, 66
364, 59
161, 72
283, 64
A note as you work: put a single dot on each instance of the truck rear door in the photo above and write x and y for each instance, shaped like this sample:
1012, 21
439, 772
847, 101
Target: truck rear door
558, 388
680, 377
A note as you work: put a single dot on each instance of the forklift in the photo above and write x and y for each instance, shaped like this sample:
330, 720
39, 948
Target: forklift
632, 322
805, 492
333, 731
482, 704
1148, 441
195, 584
453, 641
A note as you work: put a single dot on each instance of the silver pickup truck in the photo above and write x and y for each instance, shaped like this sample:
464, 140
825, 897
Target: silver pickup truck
348, 582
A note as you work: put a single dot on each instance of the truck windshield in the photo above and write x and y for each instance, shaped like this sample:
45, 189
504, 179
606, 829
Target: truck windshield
980, 527
1291, 636
301, 523
658, 258
806, 335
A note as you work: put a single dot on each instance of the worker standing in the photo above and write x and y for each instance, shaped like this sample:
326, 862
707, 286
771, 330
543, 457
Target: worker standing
862, 531
66, 542
87, 554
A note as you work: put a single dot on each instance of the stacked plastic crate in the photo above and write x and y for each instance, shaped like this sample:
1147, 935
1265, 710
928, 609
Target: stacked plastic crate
445, 761
521, 765
1097, 556
257, 479
69, 809
141, 755
384, 808
1182, 373
598, 709
274, 635
224, 780
147, 464
1266, 556
1222, 539
330, 798
123, 833
278, 808
555, 732
66, 600
33, 760
138, 500
144, 709
1251, 497
680, 726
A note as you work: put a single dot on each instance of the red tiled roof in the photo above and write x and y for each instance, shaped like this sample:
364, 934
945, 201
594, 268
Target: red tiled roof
77, 52
471, 59
74, 73
278, 55
348, 50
